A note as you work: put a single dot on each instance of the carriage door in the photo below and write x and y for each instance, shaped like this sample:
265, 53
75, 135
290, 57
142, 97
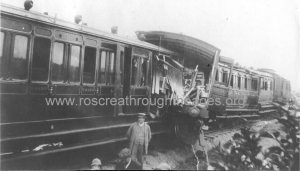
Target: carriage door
136, 80
106, 79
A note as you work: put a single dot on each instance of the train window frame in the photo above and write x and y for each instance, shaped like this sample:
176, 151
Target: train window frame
245, 83
231, 81
109, 77
49, 60
254, 84
225, 77
249, 84
220, 76
266, 85
134, 76
11, 54
239, 82
242, 82
111, 69
139, 73
64, 62
100, 72
2, 55
217, 75
69, 57
262, 83
84, 63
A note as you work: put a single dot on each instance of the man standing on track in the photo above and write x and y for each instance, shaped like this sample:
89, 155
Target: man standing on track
139, 135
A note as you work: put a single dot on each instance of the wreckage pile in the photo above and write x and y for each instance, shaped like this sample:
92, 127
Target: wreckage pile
274, 146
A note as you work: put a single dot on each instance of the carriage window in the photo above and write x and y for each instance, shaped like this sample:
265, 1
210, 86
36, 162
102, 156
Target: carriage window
266, 86
101, 75
225, 77
239, 82
249, 84
89, 65
144, 63
18, 63
245, 83
40, 59
271, 85
122, 66
111, 71
262, 84
73, 69
1, 53
254, 84
58, 62
217, 75
134, 70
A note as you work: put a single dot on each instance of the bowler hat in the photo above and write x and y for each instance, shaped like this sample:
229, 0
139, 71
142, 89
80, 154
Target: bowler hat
96, 161
141, 115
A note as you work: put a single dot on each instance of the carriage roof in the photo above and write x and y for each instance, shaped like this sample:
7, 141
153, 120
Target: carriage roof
42, 18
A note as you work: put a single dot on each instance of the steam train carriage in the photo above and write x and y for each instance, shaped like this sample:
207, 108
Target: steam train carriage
282, 86
42, 58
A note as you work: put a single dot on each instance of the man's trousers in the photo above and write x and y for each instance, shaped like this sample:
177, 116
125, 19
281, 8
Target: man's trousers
137, 154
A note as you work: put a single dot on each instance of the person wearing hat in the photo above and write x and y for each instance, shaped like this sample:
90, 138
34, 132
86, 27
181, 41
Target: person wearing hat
126, 162
96, 164
139, 135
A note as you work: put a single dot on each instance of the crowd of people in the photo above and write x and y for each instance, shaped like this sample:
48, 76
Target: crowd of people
132, 158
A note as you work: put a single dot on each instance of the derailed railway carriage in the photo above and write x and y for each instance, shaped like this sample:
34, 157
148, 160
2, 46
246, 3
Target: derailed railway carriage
43, 58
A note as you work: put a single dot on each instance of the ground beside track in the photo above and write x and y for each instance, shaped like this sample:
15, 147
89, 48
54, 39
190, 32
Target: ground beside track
180, 156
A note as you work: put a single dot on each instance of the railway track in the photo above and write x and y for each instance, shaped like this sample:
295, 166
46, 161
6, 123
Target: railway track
226, 130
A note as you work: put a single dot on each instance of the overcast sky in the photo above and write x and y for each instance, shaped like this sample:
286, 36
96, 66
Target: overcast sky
258, 33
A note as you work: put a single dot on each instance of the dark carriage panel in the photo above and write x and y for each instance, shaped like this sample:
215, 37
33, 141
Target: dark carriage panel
40, 89
66, 90
85, 90
109, 91
91, 42
63, 35
16, 88
15, 25
219, 95
43, 32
